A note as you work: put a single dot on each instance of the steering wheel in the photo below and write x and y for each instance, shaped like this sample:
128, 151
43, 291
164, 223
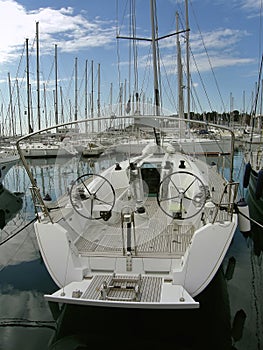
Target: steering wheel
179, 196
101, 192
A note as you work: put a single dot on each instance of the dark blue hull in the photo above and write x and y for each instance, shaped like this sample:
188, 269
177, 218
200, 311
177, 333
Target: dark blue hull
256, 203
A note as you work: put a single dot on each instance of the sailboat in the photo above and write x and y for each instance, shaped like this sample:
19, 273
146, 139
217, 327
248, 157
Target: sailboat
253, 159
253, 177
49, 148
148, 232
8, 158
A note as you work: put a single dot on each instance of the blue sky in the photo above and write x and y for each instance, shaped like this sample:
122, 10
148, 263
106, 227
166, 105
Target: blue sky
225, 38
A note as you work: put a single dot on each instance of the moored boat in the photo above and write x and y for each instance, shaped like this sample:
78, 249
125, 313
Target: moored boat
11, 203
253, 178
253, 156
7, 159
148, 232
93, 149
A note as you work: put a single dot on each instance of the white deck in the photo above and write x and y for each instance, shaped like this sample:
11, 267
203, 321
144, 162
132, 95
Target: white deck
156, 293
102, 238
160, 239
122, 256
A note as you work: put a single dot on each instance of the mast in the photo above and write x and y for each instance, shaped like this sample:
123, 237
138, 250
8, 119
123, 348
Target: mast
70, 109
180, 79
231, 102
125, 93
38, 88
244, 108
257, 95
11, 107
28, 88
261, 106
56, 84
154, 53
154, 44
98, 101
19, 106
111, 88
120, 98
76, 89
62, 106
45, 104
86, 94
92, 97
31, 107
187, 60
2, 120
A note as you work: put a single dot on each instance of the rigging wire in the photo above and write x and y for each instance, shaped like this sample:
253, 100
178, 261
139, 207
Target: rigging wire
158, 55
258, 84
118, 31
260, 31
209, 60
171, 97
201, 80
254, 106
197, 69
145, 84
134, 45
210, 64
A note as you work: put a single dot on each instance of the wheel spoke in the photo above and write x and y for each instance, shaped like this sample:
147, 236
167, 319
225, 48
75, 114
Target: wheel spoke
83, 183
175, 185
99, 187
104, 202
181, 206
190, 185
190, 199
169, 198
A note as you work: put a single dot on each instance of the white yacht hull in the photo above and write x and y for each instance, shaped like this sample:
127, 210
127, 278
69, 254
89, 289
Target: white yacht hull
179, 283
183, 255
148, 232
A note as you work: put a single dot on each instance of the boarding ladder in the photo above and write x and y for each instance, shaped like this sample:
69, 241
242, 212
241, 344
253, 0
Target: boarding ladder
122, 288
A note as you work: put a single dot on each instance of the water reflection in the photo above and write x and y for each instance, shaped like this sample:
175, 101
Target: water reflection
245, 284
25, 319
256, 234
206, 328
10, 204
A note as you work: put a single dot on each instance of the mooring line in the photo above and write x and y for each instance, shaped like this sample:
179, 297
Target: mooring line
14, 234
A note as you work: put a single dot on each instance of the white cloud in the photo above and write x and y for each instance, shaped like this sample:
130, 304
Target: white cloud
225, 38
218, 61
70, 31
251, 8
220, 47
251, 4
